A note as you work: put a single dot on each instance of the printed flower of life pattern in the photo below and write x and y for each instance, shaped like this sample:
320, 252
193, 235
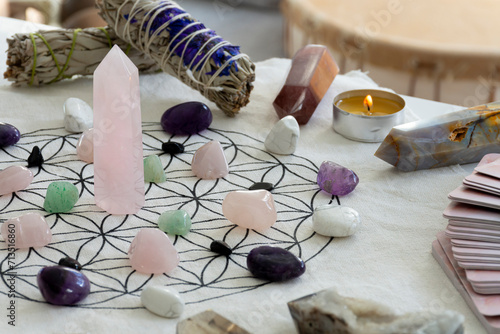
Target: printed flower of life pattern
100, 241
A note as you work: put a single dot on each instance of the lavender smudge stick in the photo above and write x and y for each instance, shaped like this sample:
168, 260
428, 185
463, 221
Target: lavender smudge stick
184, 48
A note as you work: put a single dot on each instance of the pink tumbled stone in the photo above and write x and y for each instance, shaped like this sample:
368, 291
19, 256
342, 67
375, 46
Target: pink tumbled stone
29, 230
152, 252
253, 209
85, 146
14, 178
209, 161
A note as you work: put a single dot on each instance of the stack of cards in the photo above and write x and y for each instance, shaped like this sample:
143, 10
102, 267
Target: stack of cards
469, 249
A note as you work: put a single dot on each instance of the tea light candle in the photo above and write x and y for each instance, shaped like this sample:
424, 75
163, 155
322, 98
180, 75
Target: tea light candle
367, 114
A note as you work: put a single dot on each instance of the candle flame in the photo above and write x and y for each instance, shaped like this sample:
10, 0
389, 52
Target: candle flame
368, 102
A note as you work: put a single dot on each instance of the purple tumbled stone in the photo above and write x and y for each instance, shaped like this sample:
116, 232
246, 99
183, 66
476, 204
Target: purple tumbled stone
9, 134
186, 118
62, 285
336, 179
274, 264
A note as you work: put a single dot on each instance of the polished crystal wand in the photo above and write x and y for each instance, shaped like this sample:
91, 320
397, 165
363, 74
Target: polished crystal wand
118, 160
459, 137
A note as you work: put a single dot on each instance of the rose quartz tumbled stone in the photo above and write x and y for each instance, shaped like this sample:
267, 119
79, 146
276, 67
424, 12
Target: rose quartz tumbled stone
29, 230
14, 178
253, 209
152, 252
209, 161
85, 146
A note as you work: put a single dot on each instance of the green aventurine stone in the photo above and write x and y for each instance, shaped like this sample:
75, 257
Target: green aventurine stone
61, 197
175, 222
153, 170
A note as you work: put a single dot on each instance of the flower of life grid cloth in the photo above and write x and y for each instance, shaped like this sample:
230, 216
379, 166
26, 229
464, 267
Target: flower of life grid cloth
100, 241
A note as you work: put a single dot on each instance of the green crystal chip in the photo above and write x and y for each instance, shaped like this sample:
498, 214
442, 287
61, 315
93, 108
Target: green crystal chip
61, 197
153, 170
175, 222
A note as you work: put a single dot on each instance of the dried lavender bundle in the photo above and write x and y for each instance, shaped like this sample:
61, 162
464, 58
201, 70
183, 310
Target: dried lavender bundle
184, 48
51, 55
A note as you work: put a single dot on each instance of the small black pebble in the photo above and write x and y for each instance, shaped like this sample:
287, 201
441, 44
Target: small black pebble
172, 147
262, 185
70, 263
35, 159
220, 247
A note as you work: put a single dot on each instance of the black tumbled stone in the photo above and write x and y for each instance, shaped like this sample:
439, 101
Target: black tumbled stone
172, 147
220, 247
262, 185
35, 159
70, 263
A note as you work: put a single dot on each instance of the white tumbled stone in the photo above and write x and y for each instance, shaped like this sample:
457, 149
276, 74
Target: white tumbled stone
78, 115
335, 220
283, 137
162, 300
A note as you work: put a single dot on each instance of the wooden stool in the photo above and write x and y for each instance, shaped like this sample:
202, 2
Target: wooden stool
451, 45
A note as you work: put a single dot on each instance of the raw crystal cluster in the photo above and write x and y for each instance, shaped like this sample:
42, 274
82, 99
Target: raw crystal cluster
328, 312
208, 322
312, 72
456, 138
118, 157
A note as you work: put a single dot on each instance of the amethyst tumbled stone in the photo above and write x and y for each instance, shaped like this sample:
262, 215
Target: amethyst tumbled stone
336, 179
274, 264
9, 134
186, 118
62, 285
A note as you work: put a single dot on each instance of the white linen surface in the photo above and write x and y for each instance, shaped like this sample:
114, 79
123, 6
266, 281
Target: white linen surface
387, 260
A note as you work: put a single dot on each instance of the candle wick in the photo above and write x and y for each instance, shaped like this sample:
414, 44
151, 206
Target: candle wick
368, 107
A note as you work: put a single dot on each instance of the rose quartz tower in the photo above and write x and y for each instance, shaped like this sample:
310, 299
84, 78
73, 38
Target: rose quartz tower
118, 161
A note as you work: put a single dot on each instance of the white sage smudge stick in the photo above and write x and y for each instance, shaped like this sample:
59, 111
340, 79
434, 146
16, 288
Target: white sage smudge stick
48, 56
184, 48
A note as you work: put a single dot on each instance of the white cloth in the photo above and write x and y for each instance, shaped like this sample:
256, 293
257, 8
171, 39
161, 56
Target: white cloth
387, 260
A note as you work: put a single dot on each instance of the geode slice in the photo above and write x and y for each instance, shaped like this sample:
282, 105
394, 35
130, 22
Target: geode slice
328, 312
